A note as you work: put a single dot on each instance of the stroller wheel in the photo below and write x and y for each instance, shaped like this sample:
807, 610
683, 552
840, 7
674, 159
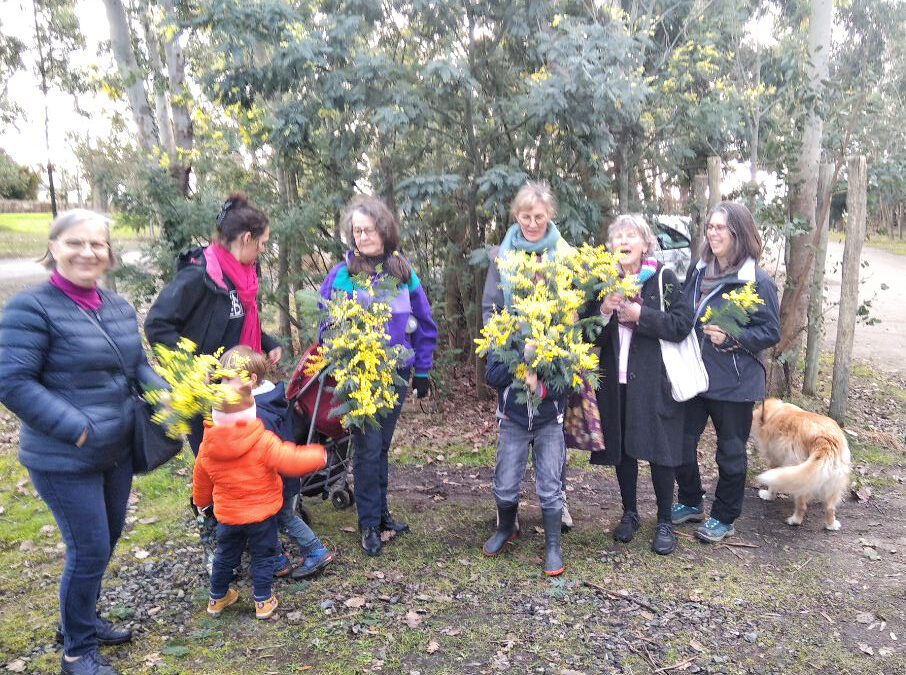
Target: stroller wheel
303, 513
341, 499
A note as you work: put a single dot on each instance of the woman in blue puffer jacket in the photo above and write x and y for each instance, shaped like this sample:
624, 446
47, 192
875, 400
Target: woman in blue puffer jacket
63, 379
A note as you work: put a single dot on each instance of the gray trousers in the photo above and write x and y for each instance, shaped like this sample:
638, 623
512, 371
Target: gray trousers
548, 454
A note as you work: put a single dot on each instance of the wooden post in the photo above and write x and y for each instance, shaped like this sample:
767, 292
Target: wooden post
816, 297
713, 182
700, 194
856, 196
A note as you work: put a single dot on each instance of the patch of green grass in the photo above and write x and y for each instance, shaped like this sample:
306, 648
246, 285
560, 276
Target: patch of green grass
24, 514
867, 453
889, 244
449, 453
163, 499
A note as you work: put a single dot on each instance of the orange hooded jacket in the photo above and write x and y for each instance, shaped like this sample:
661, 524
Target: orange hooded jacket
237, 468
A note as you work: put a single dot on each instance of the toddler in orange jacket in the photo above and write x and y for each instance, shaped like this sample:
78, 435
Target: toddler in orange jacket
238, 471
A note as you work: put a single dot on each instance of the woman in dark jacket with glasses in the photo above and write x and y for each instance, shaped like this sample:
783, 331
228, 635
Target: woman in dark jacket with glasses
730, 253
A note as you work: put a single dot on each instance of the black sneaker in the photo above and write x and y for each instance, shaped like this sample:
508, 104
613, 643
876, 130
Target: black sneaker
91, 663
391, 525
371, 540
107, 634
664, 539
627, 526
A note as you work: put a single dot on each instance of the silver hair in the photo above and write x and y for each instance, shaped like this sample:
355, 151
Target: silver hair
69, 219
637, 222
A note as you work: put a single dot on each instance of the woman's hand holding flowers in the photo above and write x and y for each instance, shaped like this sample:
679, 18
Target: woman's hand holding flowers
629, 311
610, 303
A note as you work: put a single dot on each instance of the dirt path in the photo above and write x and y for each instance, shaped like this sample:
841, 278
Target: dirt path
883, 343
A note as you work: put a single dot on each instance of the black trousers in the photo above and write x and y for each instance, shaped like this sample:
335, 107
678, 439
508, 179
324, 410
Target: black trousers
628, 476
732, 421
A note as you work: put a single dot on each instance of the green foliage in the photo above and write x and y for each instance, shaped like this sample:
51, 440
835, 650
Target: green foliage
16, 182
444, 109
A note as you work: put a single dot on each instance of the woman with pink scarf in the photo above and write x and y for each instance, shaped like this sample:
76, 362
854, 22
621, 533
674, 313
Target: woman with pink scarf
213, 299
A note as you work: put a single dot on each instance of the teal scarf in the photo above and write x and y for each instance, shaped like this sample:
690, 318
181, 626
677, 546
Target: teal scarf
516, 241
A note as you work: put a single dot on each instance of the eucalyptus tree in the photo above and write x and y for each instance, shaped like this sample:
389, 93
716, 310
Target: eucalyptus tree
56, 36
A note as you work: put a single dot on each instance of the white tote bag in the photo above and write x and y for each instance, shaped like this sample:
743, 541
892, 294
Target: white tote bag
683, 361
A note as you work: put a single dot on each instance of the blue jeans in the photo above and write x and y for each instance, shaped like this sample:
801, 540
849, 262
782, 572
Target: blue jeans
295, 528
370, 462
548, 451
90, 510
261, 538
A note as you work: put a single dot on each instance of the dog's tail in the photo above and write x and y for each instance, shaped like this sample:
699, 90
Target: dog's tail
822, 474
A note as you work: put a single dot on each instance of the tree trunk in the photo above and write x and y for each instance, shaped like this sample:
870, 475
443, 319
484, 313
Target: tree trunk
133, 80
42, 68
180, 100
793, 303
856, 195
713, 184
286, 180
161, 104
816, 297
700, 192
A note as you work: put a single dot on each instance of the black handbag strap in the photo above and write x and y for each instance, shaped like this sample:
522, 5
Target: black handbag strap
116, 350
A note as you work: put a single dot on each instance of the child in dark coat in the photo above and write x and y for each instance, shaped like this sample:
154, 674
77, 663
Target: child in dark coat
273, 410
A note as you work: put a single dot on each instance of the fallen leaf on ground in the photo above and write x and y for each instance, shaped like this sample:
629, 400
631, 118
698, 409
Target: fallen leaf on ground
863, 493
17, 666
140, 553
433, 646
412, 619
865, 649
865, 617
355, 602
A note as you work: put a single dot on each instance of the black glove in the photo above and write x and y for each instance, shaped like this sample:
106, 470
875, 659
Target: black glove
421, 383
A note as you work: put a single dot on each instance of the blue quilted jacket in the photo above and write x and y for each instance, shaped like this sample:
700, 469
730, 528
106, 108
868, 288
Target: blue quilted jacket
60, 377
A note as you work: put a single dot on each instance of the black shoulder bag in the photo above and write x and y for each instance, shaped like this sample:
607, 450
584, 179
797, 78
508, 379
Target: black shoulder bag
151, 447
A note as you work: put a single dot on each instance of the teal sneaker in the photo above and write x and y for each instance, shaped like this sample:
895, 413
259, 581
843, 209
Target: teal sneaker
680, 513
714, 530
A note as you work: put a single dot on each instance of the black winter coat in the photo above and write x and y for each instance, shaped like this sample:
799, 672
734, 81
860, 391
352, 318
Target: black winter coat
734, 370
550, 409
60, 376
654, 421
192, 305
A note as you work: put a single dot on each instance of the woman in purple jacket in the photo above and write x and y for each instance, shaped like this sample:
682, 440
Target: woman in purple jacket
371, 228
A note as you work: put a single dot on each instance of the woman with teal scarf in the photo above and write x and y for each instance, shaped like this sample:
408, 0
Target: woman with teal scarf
534, 231
639, 417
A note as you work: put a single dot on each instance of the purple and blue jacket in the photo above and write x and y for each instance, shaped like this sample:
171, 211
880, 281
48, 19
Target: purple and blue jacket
410, 325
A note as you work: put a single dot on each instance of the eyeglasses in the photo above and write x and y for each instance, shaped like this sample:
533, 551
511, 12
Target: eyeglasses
79, 244
716, 227
528, 218
363, 231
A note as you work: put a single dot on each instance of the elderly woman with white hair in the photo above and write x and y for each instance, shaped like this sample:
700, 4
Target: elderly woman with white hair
641, 421
70, 352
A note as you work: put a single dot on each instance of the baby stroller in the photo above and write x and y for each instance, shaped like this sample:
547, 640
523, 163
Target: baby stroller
310, 404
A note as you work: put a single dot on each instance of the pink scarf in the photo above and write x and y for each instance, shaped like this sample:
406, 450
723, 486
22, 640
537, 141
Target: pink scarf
86, 298
245, 279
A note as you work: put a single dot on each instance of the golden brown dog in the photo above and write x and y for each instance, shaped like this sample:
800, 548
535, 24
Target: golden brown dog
811, 454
